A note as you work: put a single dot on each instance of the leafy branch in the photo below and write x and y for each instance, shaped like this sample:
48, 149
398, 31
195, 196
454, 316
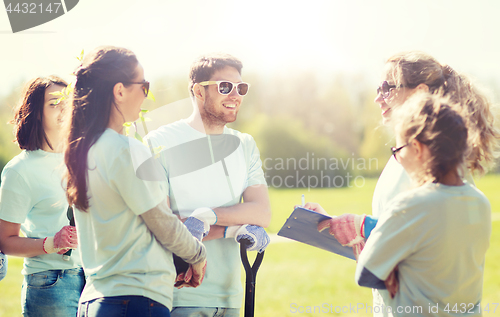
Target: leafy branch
154, 151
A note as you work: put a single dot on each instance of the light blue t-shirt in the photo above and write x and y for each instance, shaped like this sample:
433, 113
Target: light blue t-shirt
120, 254
32, 195
209, 171
393, 181
437, 235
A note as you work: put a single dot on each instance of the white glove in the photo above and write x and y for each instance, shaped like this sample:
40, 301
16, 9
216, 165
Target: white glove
3, 265
256, 235
199, 222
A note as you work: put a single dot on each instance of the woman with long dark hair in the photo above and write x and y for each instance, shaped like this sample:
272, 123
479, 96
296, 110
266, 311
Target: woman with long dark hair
127, 233
33, 200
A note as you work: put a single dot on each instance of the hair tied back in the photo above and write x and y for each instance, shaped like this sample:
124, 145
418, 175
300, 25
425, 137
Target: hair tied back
447, 71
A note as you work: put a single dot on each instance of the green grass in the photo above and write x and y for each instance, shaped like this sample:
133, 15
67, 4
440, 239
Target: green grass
294, 275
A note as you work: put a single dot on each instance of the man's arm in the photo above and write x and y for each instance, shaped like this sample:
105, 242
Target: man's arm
255, 209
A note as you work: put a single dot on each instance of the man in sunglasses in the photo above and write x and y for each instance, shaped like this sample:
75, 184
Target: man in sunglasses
210, 168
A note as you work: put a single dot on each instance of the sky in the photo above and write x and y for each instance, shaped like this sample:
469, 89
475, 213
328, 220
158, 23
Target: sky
269, 36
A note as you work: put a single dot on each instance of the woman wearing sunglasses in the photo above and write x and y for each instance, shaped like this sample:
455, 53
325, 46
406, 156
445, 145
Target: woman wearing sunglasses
405, 74
127, 232
33, 200
434, 237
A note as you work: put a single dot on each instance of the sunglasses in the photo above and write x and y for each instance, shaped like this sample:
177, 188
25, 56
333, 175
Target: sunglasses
385, 89
395, 150
226, 87
144, 83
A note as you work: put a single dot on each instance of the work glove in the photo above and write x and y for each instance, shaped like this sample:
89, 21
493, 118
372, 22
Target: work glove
348, 230
200, 221
63, 240
193, 276
255, 235
3, 265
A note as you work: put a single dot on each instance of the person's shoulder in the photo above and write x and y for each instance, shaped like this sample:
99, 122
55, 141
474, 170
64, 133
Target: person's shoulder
168, 132
17, 163
407, 200
111, 140
471, 190
245, 138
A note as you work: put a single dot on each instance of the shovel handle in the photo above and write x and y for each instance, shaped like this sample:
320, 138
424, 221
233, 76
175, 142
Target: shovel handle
251, 275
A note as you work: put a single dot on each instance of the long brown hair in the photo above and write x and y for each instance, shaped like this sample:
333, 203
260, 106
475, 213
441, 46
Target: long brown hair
90, 111
27, 121
409, 69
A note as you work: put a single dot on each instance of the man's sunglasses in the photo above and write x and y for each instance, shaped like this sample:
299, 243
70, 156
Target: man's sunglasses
226, 87
144, 83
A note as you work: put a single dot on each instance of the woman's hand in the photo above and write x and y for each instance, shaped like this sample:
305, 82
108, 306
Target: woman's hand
193, 276
314, 207
63, 240
392, 282
348, 230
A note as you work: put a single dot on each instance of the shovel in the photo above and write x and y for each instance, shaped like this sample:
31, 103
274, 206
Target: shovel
251, 275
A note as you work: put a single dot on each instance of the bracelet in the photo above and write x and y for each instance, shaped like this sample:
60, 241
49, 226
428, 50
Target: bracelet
43, 245
362, 229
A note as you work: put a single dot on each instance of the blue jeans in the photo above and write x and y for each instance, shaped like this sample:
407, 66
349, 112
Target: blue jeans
3, 265
205, 312
52, 293
121, 306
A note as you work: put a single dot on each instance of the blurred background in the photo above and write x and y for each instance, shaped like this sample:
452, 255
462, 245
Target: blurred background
313, 66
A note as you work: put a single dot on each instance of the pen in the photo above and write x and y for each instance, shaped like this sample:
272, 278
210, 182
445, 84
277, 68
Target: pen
303, 200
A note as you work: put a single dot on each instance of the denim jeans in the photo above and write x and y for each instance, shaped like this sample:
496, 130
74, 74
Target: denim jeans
3, 265
205, 312
52, 293
121, 306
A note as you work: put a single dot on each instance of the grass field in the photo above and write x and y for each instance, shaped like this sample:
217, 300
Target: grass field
295, 277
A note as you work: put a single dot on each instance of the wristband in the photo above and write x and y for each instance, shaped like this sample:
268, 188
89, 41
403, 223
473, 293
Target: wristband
43, 246
48, 245
230, 232
205, 214
370, 223
362, 230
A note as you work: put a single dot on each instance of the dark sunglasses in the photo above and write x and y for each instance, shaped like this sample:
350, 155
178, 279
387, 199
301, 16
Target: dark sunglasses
395, 150
385, 89
144, 83
226, 87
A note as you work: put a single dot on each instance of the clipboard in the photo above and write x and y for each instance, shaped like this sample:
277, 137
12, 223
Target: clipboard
302, 226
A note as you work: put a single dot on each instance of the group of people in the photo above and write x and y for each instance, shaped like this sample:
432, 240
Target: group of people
76, 162
198, 188
423, 248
